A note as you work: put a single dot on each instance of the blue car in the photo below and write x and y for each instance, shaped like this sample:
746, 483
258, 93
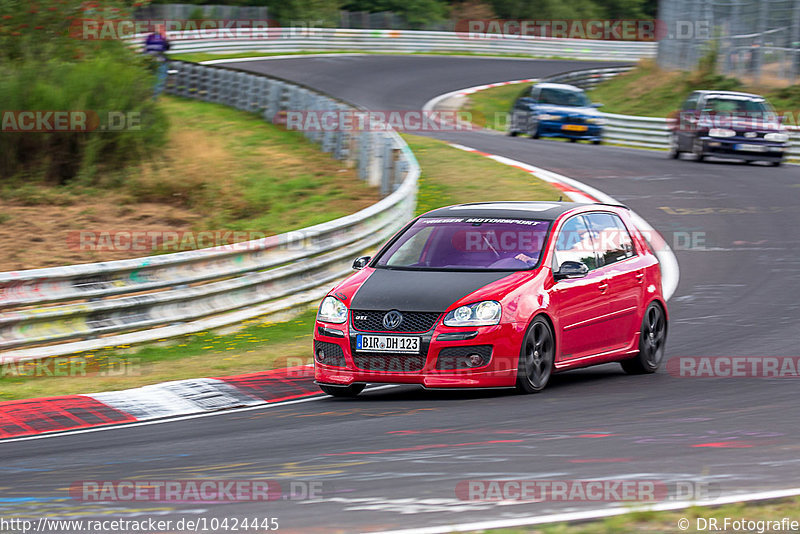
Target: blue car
556, 110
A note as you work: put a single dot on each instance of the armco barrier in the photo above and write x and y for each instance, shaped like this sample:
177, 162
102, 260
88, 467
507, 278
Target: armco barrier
53, 311
285, 40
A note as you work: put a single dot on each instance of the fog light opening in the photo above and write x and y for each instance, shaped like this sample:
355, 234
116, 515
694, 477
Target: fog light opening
320, 355
475, 360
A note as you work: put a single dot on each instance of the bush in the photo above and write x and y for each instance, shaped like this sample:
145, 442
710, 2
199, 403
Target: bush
44, 68
99, 86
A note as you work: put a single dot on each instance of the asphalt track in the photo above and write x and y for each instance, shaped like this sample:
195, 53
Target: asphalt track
392, 458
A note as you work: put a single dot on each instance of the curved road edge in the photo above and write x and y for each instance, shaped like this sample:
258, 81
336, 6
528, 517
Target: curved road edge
599, 513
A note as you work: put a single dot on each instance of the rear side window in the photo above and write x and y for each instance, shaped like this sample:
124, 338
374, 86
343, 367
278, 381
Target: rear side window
527, 92
574, 243
690, 104
611, 238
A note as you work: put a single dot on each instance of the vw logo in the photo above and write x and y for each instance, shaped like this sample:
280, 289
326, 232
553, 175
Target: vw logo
392, 319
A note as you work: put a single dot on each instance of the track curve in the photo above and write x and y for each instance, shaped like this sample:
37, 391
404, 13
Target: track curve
397, 451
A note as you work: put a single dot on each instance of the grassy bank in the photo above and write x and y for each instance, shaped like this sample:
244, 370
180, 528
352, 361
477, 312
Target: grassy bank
220, 168
489, 108
650, 91
256, 347
668, 522
448, 176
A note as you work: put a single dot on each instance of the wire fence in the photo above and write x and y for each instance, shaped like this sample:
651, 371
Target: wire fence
756, 41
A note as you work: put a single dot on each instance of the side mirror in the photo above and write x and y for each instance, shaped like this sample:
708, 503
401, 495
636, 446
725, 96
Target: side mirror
597, 105
361, 262
571, 269
526, 100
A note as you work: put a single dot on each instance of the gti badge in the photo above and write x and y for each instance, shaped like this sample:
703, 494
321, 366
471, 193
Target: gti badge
392, 319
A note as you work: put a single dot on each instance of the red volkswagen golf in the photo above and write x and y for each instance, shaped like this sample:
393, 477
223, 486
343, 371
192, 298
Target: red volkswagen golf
494, 295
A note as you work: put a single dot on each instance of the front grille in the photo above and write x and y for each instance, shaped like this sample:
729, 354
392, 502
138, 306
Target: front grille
332, 354
456, 357
759, 135
390, 363
372, 321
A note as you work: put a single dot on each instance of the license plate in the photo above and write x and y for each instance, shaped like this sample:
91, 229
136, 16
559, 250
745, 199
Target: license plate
405, 344
575, 127
751, 148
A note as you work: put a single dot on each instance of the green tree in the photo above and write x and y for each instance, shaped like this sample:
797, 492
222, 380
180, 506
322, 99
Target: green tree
575, 9
47, 63
416, 12
325, 12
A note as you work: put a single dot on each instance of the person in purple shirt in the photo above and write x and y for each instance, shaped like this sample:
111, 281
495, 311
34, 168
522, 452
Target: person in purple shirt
157, 45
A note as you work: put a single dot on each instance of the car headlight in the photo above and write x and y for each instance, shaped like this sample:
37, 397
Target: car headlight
721, 132
485, 313
547, 117
777, 137
332, 310
596, 120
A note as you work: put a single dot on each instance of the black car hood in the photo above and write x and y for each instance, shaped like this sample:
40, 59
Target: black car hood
423, 291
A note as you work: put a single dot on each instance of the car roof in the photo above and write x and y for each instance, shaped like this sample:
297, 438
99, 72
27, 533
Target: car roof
548, 85
728, 93
513, 209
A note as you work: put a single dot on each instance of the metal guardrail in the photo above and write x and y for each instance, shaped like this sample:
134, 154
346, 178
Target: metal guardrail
642, 132
282, 40
61, 310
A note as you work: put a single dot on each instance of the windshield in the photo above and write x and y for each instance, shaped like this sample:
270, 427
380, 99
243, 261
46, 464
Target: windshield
468, 243
743, 106
563, 97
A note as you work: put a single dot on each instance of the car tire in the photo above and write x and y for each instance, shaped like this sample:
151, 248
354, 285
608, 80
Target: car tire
512, 131
697, 150
533, 128
573, 140
652, 342
343, 391
674, 153
536, 357
776, 163
597, 142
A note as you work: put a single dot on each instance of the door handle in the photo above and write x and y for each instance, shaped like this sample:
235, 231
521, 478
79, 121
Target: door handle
639, 276
603, 286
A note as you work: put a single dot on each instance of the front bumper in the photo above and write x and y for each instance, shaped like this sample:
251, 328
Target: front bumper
731, 148
500, 371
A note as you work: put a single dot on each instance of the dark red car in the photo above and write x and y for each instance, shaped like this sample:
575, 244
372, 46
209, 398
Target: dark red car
495, 295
